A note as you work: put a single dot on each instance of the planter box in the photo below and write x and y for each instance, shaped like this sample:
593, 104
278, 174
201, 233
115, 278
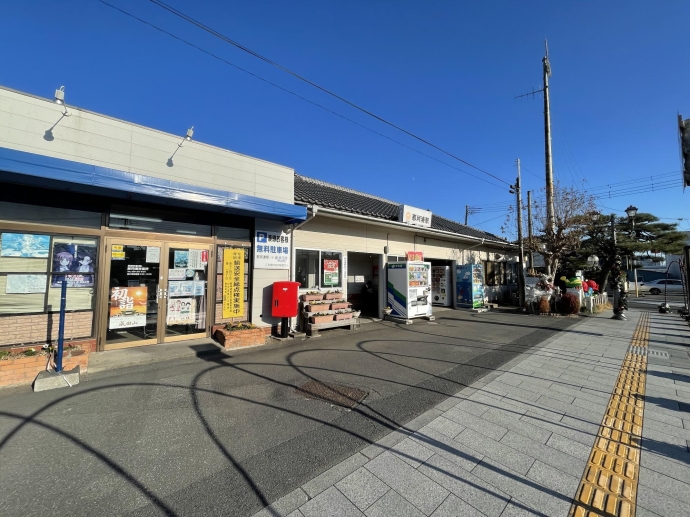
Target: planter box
344, 316
23, 370
316, 308
320, 319
333, 296
341, 305
311, 297
240, 338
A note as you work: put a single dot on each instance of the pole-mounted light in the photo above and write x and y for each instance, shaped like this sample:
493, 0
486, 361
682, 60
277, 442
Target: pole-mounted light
60, 100
187, 138
631, 211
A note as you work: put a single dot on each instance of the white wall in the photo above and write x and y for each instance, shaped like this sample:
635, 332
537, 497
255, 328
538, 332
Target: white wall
262, 283
99, 140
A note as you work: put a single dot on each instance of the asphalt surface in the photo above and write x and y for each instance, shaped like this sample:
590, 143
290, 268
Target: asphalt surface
219, 435
652, 301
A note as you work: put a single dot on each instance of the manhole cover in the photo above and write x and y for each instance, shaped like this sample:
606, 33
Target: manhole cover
340, 395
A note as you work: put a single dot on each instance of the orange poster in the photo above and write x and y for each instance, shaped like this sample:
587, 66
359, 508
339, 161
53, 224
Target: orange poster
127, 307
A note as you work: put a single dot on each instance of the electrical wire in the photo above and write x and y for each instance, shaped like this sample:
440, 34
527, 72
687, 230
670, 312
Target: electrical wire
226, 39
223, 60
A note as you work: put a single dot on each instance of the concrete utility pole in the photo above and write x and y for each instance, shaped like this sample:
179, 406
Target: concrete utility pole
467, 214
551, 225
521, 258
529, 229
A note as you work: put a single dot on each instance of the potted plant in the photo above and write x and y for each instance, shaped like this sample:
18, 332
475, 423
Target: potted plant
343, 315
317, 305
235, 335
334, 294
312, 296
387, 310
355, 314
340, 304
320, 317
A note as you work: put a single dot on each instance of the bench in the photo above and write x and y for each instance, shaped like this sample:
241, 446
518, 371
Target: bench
313, 328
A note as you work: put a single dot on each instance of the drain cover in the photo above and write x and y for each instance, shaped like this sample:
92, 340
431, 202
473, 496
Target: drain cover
340, 395
657, 353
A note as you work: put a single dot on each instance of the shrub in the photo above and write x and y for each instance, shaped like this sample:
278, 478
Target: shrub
240, 326
544, 305
570, 304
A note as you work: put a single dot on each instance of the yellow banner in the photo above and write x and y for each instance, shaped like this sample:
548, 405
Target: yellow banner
233, 283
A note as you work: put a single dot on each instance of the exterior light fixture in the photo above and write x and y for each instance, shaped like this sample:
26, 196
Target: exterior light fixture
190, 133
631, 211
595, 216
187, 138
60, 100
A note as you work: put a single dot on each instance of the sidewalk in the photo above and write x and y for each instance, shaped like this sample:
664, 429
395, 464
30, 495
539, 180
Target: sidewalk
520, 441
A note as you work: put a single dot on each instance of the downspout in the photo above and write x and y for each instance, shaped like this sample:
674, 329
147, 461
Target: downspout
310, 216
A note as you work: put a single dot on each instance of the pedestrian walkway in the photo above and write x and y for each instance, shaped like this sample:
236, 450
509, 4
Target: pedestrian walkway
531, 437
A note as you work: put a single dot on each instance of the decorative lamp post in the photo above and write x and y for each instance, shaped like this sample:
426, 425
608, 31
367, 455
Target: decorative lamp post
631, 211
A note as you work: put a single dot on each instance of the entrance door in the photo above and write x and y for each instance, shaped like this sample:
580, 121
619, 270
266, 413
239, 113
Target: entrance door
157, 292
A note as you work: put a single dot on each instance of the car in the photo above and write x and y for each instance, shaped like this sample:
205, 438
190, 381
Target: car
659, 286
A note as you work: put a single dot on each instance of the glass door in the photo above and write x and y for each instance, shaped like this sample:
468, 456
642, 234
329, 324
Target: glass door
134, 294
186, 279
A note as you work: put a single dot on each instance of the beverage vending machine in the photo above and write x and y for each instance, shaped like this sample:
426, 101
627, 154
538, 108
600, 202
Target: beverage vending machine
409, 289
469, 287
441, 290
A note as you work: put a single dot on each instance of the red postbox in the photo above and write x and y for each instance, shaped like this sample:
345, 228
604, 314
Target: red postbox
284, 305
285, 295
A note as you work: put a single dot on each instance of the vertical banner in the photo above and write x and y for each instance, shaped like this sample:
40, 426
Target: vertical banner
233, 283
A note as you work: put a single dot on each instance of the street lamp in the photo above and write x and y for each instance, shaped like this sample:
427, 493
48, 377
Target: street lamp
632, 212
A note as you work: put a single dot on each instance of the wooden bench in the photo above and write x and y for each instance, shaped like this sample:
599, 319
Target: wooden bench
313, 328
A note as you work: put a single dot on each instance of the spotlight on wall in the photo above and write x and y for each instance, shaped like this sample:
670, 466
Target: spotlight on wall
187, 138
60, 100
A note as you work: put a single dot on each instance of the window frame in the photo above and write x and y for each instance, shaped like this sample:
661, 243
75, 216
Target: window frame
319, 283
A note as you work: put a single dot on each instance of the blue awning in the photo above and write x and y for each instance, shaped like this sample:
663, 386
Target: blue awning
46, 171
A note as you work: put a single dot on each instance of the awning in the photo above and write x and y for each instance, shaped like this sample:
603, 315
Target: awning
56, 173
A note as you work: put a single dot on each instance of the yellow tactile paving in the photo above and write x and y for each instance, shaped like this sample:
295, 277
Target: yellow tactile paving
609, 483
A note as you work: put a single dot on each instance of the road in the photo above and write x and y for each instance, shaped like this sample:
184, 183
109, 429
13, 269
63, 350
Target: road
226, 435
652, 301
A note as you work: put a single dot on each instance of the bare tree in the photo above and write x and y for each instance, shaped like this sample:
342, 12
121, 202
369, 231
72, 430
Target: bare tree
572, 218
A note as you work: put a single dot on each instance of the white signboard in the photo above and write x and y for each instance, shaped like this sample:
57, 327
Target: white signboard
271, 250
23, 284
181, 311
415, 216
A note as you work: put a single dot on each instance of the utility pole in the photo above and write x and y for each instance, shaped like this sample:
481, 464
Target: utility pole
467, 214
529, 230
551, 225
516, 189
618, 288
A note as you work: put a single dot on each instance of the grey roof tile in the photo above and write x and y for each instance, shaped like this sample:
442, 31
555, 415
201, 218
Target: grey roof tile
310, 191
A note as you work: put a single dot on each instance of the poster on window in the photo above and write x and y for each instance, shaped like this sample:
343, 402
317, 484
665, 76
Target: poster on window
331, 274
127, 307
271, 250
233, 283
25, 245
197, 259
181, 311
25, 284
74, 264
180, 259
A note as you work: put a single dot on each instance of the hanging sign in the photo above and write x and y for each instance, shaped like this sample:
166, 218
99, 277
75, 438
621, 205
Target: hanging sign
127, 307
414, 216
415, 255
271, 250
330, 273
233, 283
181, 311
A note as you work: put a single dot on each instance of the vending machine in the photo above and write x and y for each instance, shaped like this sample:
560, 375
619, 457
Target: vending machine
469, 286
409, 289
441, 290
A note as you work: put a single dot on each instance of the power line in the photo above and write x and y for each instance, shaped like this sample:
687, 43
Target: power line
226, 39
215, 56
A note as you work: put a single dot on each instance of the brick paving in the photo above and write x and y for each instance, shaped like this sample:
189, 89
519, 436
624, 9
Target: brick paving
517, 442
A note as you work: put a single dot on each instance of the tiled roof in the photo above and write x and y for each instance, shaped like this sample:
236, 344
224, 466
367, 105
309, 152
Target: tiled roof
309, 191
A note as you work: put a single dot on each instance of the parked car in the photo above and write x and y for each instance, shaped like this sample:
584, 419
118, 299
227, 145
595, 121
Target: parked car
658, 286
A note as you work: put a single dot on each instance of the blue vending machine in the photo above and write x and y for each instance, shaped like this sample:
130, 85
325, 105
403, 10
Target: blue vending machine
469, 285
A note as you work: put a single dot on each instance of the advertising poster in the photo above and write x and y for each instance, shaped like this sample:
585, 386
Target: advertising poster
233, 283
271, 250
25, 284
177, 274
187, 288
181, 311
470, 285
24, 245
174, 289
197, 259
153, 254
199, 288
75, 263
127, 307
117, 252
180, 259
330, 273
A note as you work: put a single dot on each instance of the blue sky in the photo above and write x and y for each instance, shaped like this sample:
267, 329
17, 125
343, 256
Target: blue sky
447, 71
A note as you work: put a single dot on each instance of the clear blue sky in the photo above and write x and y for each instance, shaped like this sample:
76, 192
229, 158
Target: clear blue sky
447, 71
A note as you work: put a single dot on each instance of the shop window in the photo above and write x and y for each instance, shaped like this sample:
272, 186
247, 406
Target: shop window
25, 213
307, 268
33, 267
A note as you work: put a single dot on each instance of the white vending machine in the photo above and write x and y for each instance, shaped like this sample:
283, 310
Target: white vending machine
441, 280
409, 289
